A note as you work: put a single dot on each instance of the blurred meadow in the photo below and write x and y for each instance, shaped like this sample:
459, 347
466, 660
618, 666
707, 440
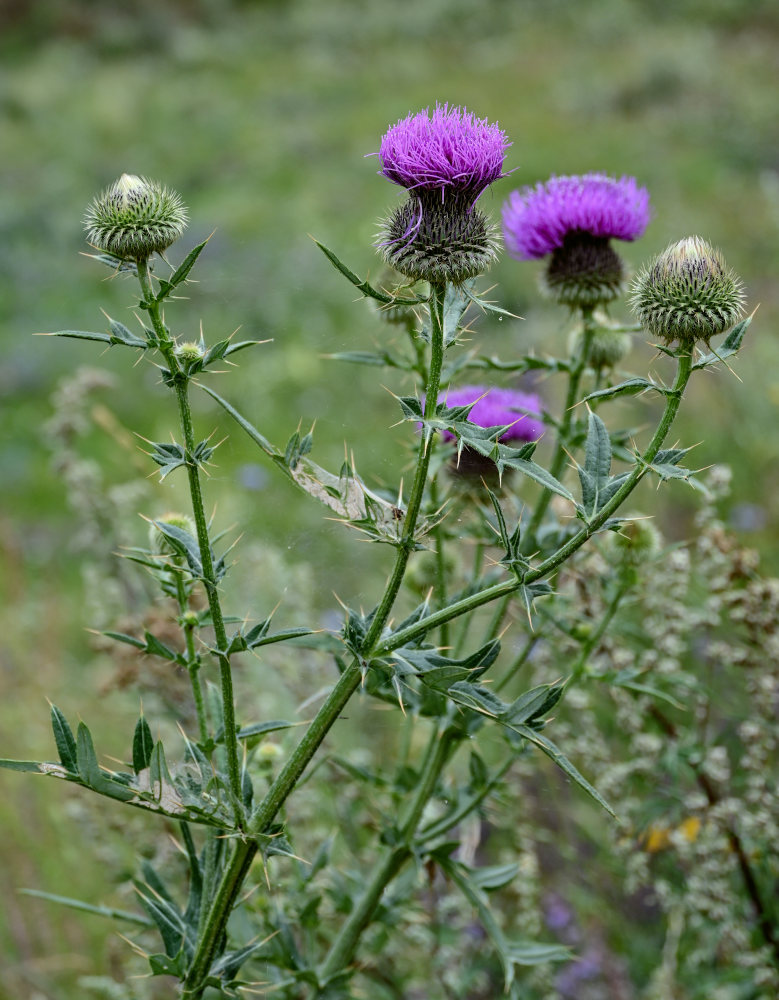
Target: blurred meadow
261, 115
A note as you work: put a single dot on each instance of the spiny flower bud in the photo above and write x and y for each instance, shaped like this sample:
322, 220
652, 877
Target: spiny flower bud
607, 347
389, 280
445, 162
134, 218
637, 538
159, 544
687, 293
189, 354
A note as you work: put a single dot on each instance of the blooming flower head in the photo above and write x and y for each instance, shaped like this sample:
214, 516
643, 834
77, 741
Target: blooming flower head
445, 162
492, 408
450, 150
573, 219
688, 293
537, 219
497, 407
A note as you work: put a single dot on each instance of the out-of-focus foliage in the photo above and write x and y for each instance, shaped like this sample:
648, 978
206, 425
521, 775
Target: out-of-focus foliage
261, 115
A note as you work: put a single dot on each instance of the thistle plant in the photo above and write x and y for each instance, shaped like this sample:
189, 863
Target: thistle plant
237, 799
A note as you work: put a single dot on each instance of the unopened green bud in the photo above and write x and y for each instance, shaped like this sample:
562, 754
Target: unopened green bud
189, 353
637, 539
687, 293
134, 218
159, 543
607, 347
422, 574
389, 280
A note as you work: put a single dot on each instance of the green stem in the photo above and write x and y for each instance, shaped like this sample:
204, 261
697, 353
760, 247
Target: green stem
193, 667
193, 660
180, 385
466, 622
440, 565
564, 431
594, 639
345, 687
518, 663
216, 920
342, 949
481, 597
439, 827
497, 619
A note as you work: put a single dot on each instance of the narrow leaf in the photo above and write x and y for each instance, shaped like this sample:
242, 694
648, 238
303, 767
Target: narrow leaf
32, 766
180, 274
559, 758
78, 904
88, 767
65, 740
129, 639
729, 346
533, 953
102, 338
628, 388
143, 744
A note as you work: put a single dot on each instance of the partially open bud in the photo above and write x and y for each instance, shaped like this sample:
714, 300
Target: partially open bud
688, 293
135, 218
189, 354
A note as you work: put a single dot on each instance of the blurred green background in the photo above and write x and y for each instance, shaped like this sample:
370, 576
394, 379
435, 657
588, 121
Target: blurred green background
261, 115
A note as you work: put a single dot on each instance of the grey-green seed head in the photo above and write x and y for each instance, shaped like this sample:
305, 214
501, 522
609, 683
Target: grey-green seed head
687, 293
134, 218
435, 238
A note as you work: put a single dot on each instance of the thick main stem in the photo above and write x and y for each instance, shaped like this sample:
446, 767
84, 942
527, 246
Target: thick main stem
180, 385
343, 947
347, 684
571, 399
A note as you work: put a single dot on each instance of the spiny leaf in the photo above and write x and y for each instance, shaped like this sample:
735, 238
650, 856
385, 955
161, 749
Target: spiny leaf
729, 346
628, 388
77, 904
180, 274
65, 740
365, 287
143, 744
103, 338
559, 758
88, 767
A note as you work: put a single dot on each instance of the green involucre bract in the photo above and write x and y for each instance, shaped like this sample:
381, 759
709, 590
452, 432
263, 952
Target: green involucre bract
688, 293
134, 218
435, 238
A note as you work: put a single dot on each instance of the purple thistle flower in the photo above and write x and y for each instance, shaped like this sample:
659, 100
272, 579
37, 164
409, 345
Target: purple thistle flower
453, 149
498, 407
537, 219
